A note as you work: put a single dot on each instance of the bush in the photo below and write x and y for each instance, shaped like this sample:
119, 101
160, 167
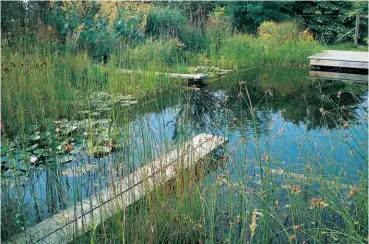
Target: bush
153, 54
192, 38
282, 31
218, 28
165, 21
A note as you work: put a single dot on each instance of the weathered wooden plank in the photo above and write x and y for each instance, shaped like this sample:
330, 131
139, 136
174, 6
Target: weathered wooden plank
353, 56
76, 220
337, 63
344, 59
188, 76
338, 76
172, 75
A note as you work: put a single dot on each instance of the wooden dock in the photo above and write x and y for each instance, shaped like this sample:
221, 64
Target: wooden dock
76, 220
338, 76
341, 59
197, 77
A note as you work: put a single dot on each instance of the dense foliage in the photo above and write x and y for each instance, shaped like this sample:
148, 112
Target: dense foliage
89, 24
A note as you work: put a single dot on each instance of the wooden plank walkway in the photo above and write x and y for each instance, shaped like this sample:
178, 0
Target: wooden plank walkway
338, 76
76, 220
342, 59
172, 75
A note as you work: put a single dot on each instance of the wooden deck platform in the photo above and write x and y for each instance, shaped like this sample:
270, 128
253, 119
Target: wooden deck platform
338, 76
342, 59
76, 220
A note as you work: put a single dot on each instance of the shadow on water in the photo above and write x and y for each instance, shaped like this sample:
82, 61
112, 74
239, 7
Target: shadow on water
294, 117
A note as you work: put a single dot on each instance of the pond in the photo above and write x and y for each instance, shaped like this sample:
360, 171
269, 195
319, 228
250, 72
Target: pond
273, 113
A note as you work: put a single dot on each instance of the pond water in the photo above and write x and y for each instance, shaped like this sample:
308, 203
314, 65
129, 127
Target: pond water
295, 122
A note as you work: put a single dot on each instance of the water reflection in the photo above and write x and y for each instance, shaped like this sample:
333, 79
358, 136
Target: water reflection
280, 106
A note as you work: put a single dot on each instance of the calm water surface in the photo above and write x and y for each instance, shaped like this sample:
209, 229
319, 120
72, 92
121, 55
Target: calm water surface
295, 122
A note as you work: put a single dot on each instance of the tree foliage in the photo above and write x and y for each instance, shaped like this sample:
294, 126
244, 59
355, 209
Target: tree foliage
248, 15
328, 20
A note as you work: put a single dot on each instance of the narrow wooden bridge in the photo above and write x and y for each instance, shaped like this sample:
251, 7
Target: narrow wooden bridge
76, 220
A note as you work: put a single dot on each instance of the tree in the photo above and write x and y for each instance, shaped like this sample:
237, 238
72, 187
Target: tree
247, 16
326, 19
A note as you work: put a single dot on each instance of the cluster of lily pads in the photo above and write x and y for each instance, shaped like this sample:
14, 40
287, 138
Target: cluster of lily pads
103, 102
63, 140
212, 71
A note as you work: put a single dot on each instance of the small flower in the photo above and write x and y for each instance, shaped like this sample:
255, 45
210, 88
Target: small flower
265, 157
57, 130
33, 159
37, 132
318, 202
296, 227
238, 219
68, 147
352, 192
269, 91
322, 111
295, 188
346, 125
339, 94
293, 237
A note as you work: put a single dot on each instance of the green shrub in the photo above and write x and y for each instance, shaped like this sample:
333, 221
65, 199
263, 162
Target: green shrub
218, 28
192, 38
283, 31
165, 21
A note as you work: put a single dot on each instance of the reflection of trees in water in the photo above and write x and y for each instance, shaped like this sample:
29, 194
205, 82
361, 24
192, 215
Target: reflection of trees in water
303, 105
202, 111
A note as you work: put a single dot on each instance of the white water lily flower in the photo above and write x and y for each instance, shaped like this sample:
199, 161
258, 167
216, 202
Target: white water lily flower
33, 159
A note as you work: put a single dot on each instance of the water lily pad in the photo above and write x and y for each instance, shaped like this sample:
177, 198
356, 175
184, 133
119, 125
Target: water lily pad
32, 127
84, 112
69, 129
4, 159
35, 137
31, 148
66, 159
79, 170
127, 103
95, 113
39, 152
3, 150
22, 166
98, 151
75, 151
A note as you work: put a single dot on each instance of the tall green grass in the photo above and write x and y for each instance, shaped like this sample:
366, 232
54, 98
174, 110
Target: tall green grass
239, 197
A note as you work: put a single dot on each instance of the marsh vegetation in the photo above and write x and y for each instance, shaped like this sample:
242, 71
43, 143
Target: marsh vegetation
74, 121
